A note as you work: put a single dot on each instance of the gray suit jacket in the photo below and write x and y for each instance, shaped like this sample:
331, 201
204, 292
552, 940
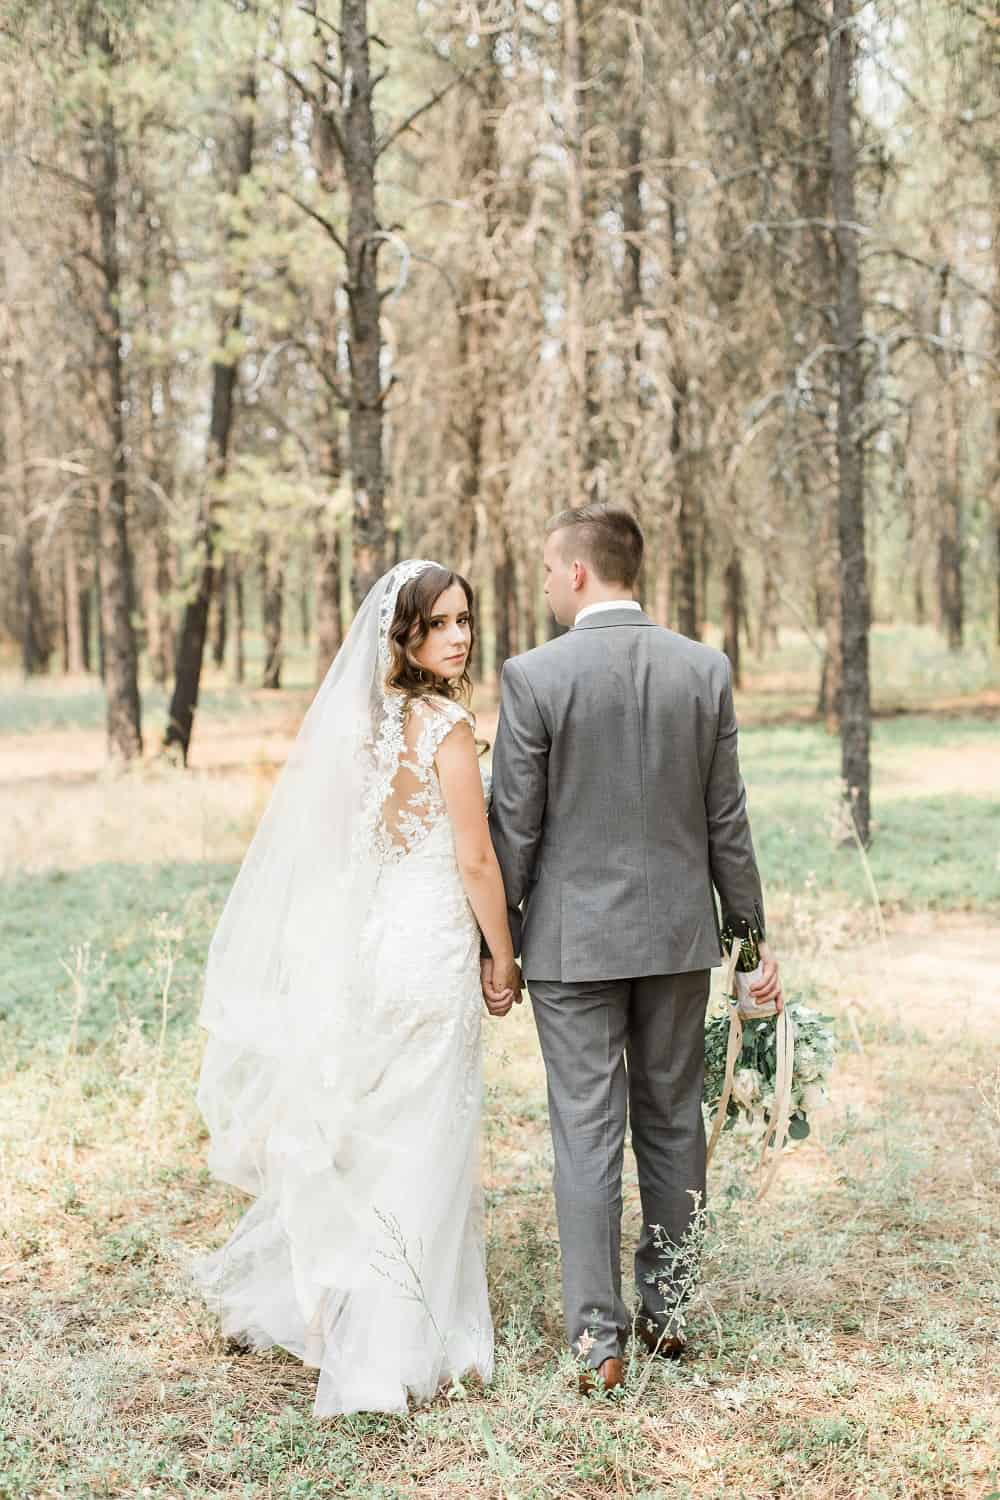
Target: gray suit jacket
618, 803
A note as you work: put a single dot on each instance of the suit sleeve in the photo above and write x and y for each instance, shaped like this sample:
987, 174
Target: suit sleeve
520, 782
730, 845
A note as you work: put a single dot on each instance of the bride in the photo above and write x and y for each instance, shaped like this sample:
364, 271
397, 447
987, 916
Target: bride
341, 1079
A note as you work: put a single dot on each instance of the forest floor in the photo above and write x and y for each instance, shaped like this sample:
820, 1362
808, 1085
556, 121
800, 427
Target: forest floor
844, 1334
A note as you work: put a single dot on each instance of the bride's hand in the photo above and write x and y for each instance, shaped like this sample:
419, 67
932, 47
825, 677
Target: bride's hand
501, 986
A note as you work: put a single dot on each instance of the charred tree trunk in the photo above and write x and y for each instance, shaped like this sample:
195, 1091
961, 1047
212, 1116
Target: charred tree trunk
120, 653
855, 722
996, 417
239, 622
327, 576
828, 604
767, 628
76, 622
329, 630
220, 624
364, 302
302, 594
732, 615
582, 415
685, 577
949, 489
159, 626
687, 514
949, 564
272, 601
194, 623
632, 299
506, 634
35, 638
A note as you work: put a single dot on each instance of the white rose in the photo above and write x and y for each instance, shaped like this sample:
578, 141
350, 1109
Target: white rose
806, 1063
746, 1087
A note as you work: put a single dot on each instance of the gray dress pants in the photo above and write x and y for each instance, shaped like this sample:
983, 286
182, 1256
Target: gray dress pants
614, 1048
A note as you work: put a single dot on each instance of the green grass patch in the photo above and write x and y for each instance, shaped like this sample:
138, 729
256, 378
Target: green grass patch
934, 853
43, 705
110, 919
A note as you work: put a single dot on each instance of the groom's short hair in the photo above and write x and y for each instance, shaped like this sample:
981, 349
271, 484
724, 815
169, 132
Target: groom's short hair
608, 537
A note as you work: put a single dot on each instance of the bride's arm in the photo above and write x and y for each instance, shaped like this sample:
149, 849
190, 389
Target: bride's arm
462, 789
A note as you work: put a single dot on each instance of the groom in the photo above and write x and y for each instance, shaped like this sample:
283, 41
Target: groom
617, 806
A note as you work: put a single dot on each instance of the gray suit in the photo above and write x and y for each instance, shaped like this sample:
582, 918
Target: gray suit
617, 805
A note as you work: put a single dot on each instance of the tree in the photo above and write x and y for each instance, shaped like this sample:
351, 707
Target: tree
855, 718
194, 625
101, 149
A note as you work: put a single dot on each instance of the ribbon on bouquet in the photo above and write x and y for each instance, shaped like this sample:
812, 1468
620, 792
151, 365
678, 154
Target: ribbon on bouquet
776, 1133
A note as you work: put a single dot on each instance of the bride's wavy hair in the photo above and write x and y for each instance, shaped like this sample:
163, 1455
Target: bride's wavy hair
410, 627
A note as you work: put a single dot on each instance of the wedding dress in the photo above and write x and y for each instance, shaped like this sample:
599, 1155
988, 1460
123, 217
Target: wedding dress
341, 1081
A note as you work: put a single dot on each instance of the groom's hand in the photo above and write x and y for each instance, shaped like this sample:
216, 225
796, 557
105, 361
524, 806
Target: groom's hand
768, 986
501, 985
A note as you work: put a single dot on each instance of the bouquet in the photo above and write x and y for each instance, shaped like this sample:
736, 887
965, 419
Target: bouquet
756, 1071
752, 1098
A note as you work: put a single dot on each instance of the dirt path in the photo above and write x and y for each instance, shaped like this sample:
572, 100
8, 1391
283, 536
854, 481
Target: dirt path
938, 972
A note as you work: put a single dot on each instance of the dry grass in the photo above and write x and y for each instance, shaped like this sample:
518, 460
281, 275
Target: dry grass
845, 1332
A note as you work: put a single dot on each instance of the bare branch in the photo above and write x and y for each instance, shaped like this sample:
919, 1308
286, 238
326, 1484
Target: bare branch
320, 218
54, 171
292, 77
415, 114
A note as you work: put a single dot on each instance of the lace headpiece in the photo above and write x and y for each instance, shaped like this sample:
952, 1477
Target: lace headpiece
401, 574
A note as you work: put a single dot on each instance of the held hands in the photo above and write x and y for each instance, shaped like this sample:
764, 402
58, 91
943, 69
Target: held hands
501, 985
768, 987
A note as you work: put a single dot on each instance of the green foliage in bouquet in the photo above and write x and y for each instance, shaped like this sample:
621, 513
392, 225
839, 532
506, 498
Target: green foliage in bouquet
753, 1082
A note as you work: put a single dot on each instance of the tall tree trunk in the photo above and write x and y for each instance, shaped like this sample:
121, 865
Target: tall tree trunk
855, 722
504, 596
194, 624
632, 302
687, 513
220, 624
828, 607
154, 269
995, 487
35, 637
327, 585
329, 629
34, 629
156, 590
272, 600
75, 659
364, 332
302, 594
685, 575
581, 434
919, 598
239, 622
732, 615
949, 487
121, 664
767, 627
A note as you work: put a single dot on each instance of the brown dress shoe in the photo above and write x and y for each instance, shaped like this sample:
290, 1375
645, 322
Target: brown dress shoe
608, 1376
663, 1345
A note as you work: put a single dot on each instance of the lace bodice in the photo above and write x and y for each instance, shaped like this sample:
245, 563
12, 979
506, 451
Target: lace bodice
407, 805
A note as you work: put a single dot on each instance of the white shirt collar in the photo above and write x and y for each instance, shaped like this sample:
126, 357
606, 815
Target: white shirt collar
593, 609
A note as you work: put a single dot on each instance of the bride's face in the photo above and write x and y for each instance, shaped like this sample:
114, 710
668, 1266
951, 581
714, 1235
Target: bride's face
445, 650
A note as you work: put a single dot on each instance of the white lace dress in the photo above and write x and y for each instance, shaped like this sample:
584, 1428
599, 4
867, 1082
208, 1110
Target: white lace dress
364, 1255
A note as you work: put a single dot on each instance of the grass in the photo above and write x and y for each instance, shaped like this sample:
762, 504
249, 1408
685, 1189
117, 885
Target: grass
845, 1330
